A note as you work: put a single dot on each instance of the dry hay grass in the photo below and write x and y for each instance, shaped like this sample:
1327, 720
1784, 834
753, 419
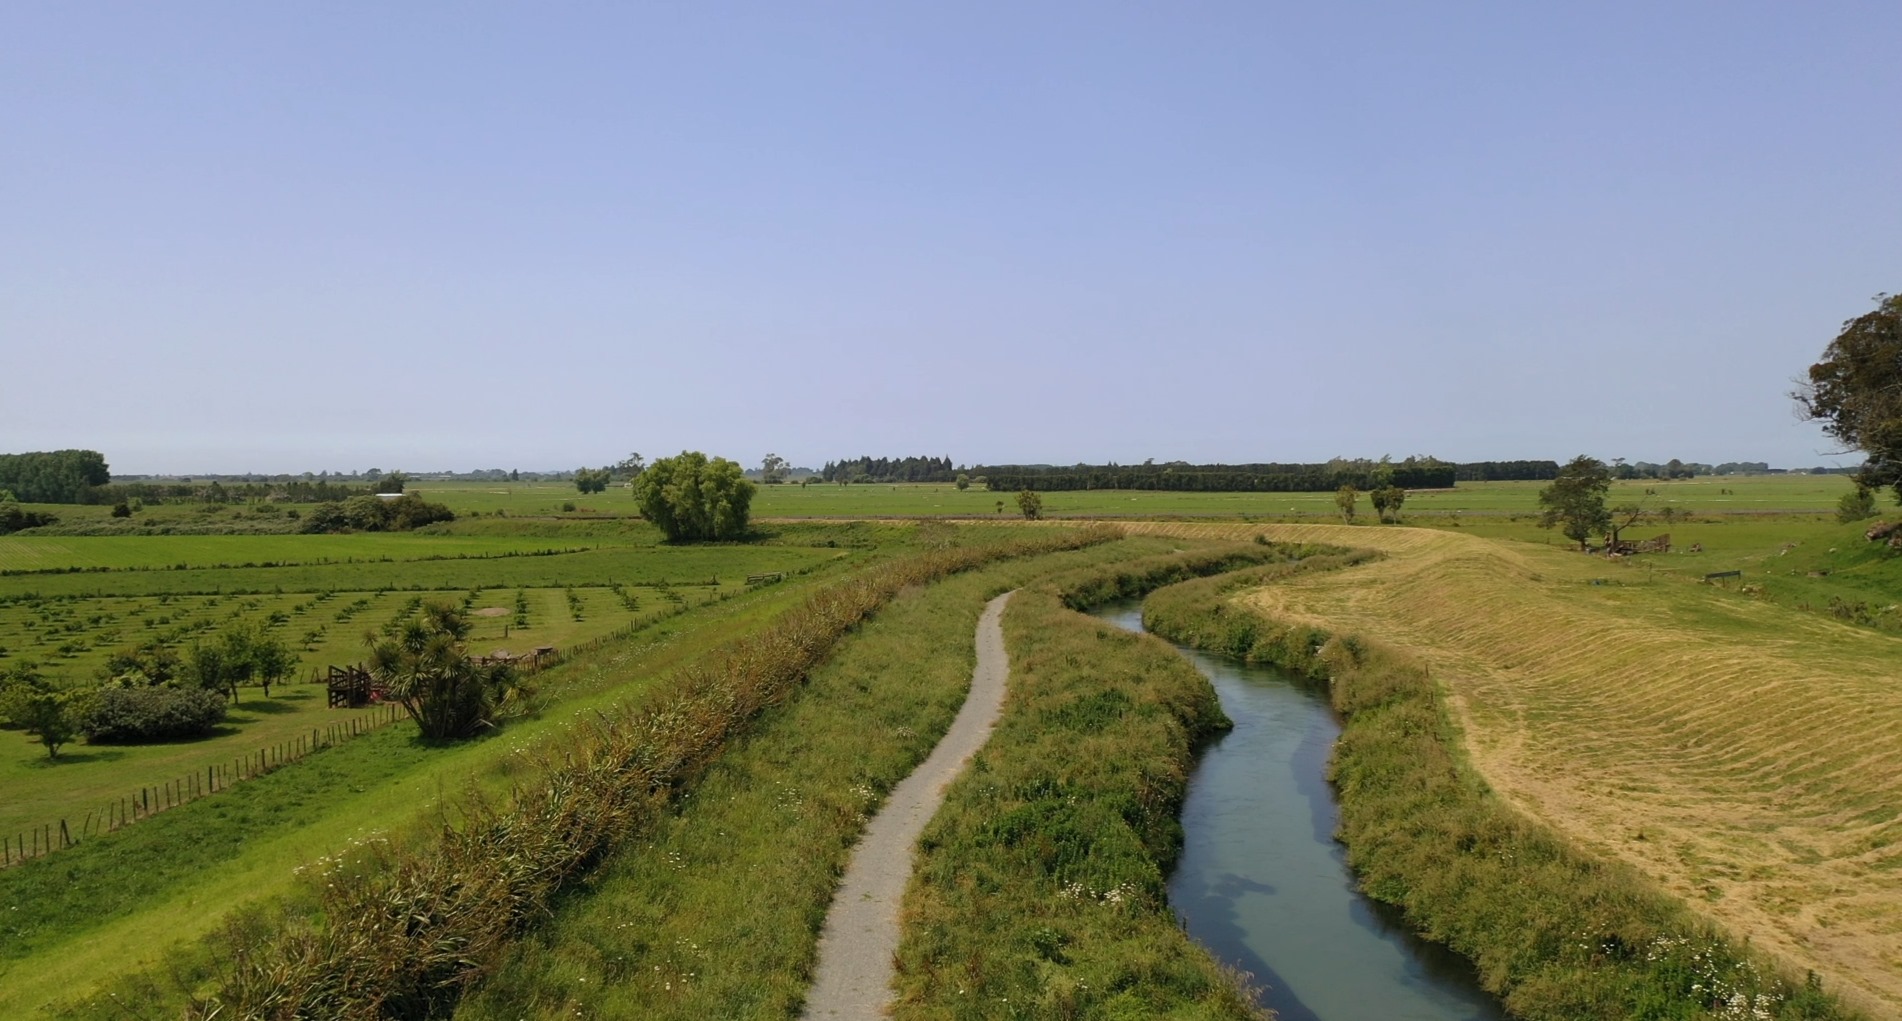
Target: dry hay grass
1743, 755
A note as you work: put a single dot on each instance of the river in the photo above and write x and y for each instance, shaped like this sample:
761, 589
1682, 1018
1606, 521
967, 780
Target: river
1264, 885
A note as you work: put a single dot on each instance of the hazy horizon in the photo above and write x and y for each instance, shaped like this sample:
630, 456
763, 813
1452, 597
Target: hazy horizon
268, 239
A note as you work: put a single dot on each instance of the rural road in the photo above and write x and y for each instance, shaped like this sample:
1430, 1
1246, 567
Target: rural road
853, 979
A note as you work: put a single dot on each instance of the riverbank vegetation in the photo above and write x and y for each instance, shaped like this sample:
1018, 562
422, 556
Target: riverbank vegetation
1041, 882
1556, 933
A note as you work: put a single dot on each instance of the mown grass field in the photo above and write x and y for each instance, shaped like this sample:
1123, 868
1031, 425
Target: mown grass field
1739, 752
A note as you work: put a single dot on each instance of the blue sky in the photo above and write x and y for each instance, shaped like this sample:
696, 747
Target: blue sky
278, 237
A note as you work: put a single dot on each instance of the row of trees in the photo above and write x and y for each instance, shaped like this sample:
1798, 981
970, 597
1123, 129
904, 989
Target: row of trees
1217, 478
56, 476
888, 469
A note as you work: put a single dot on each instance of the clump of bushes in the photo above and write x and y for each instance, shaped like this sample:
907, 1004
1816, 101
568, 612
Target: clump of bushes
137, 715
376, 514
15, 519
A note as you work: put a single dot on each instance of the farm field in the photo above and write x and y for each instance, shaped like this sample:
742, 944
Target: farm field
1707, 495
1736, 751
22, 553
321, 594
121, 900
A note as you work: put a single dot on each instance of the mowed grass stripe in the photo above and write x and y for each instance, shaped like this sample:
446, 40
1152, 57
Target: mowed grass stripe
1740, 753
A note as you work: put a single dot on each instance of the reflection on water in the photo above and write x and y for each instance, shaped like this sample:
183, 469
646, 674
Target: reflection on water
1262, 882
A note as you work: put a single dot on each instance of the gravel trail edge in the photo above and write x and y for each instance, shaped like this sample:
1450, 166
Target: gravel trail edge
853, 978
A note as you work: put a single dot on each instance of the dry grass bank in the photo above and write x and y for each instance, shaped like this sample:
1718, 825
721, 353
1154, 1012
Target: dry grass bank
1743, 755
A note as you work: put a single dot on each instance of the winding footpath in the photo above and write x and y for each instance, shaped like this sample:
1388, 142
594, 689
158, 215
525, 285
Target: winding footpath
853, 979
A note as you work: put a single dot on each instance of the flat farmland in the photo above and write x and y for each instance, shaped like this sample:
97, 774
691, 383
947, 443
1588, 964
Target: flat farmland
71, 602
20, 553
1756, 494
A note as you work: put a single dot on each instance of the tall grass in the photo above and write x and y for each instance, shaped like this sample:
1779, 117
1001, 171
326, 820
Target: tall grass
403, 931
1556, 934
715, 913
1040, 890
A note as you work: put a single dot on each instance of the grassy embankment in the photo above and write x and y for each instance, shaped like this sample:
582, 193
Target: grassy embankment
1041, 883
717, 913
407, 922
1651, 747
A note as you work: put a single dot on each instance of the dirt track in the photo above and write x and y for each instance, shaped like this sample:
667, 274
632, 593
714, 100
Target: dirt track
853, 978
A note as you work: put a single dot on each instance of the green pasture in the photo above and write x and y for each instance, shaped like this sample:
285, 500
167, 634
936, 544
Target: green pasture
1712, 495
628, 565
327, 595
22, 553
531, 499
114, 904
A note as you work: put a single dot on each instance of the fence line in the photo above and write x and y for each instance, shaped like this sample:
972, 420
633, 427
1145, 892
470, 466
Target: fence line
150, 801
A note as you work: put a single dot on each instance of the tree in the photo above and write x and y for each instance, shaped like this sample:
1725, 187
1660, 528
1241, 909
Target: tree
1856, 391
691, 497
392, 483
963, 482
44, 713
425, 667
1387, 502
1345, 498
1856, 506
243, 652
1030, 503
1576, 499
773, 470
592, 480
631, 465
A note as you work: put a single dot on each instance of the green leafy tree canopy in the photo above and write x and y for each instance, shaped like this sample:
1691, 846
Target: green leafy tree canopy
693, 497
1856, 391
1575, 501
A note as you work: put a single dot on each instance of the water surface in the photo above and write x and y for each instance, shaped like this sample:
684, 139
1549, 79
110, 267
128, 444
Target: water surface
1262, 882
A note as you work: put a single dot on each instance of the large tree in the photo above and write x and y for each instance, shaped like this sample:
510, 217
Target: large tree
1575, 501
1856, 391
690, 496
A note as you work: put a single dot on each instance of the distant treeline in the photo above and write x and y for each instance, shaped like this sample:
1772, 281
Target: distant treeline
1506, 471
58, 476
218, 492
1220, 478
889, 469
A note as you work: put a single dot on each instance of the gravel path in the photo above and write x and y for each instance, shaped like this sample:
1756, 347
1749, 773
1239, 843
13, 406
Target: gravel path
853, 980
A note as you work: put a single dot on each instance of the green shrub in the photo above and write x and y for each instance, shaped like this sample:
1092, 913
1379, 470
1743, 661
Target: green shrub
142, 715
